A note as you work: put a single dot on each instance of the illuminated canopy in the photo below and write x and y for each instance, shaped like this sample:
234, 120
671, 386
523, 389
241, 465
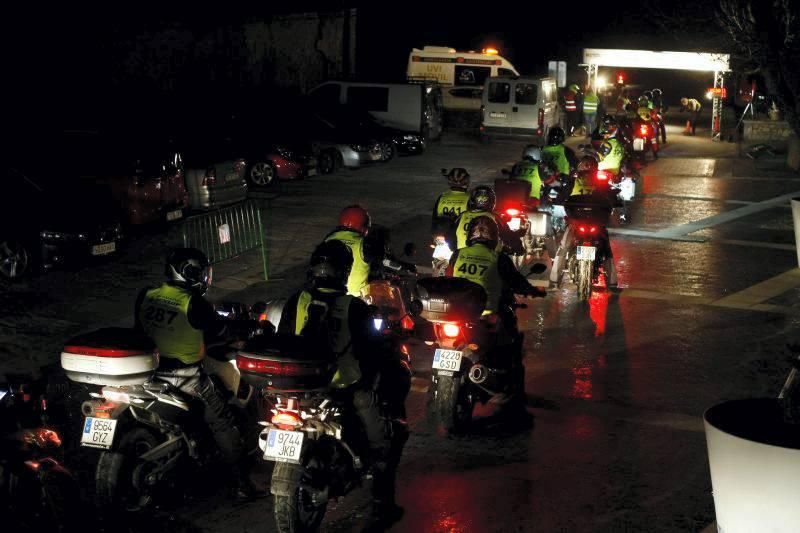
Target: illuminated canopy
700, 61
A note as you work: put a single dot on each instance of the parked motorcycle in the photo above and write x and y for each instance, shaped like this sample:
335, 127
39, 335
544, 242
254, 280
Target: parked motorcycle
587, 243
317, 443
149, 433
37, 492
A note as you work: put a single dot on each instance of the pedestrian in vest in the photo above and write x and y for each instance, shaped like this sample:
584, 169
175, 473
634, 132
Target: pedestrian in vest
590, 104
693, 107
180, 321
571, 108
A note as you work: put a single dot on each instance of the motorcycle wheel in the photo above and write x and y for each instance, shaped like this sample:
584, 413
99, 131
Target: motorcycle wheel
115, 487
452, 407
296, 513
584, 279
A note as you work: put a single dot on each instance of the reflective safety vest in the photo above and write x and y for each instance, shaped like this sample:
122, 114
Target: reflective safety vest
529, 171
164, 315
558, 155
583, 185
462, 223
348, 370
613, 160
570, 103
643, 112
693, 105
478, 263
359, 272
452, 203
590, 103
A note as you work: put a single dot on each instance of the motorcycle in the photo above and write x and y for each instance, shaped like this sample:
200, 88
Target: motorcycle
586, 245
467, 369
148, 432
645, 139
317, 444
621, 186
38, 491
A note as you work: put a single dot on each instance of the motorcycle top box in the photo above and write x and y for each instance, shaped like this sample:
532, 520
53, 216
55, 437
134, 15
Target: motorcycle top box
451, 299
109, 356
586, 209
288, 363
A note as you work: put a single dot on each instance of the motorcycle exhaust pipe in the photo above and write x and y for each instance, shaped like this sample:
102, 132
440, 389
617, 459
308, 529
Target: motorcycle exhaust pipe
482, 376
102, 408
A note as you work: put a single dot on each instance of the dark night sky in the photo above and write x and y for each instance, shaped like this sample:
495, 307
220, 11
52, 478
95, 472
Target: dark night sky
63, 58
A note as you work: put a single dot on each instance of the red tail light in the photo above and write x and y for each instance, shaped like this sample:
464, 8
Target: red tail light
211, 177
582, 229
407, 323
593, 229
512, 212
101, 352
643, 129
587, 229
451, 330
271, 367
602, 175
286, 420
541, 117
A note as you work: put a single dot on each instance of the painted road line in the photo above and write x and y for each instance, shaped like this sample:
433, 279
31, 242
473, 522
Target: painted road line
654, 235
727, 216
761, 292
688, 299
757, 244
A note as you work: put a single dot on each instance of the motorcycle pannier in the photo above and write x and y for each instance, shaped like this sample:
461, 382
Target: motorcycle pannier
451, 299
286, 363
109, 356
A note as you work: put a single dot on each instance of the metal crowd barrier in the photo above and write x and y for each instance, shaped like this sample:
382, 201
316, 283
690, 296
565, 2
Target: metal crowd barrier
227, 233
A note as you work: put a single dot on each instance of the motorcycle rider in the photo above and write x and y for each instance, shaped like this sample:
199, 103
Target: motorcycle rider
585, 175
481, 202
452, 202
555, 151
533, 170
323, 311
354, 224
180, 321
483, 264
612, 150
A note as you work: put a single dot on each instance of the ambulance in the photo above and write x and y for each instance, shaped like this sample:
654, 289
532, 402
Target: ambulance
461, 74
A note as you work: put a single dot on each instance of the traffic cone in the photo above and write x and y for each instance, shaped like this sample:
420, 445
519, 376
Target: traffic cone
688, 128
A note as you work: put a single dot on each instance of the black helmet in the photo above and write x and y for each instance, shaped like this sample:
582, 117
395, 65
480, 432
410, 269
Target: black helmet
649, 94
656, 92
482, 198
330, 265
484, 230
188, 268
555, 136
608, 119
457, 178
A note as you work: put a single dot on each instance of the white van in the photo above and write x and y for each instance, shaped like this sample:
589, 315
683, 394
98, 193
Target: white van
519, 107
413, 107
461, 74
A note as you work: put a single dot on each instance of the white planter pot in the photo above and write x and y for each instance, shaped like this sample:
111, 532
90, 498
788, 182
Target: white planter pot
755, 467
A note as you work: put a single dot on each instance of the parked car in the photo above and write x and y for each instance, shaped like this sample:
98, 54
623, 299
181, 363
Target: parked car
143, 172
47, 220
342, 144
275, 153
215, 169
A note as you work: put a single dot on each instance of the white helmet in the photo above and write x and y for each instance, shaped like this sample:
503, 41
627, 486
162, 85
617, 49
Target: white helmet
532, 153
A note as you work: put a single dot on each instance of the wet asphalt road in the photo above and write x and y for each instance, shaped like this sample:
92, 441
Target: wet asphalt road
616, 387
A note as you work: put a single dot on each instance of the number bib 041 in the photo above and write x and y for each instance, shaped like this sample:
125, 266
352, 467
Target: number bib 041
98, 432
284, 446
449, 360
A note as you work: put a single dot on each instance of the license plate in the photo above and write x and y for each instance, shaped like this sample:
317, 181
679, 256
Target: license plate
284, 446
98, 432
627, 189
447, 360
103, 249
514, 223
638, 144
174, 215
586, 252
311, 172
